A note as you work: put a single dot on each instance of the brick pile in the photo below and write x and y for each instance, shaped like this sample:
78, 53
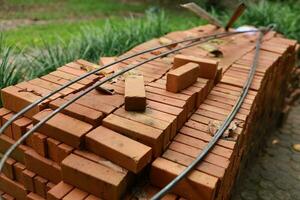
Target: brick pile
96, 149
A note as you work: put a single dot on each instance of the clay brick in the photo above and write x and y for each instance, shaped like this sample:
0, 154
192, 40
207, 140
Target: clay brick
7, 197
18, 169
19, 127
8, 130
63, 151
178, 112
49, 186
196, 185
182, 77
96, 102
92, 197
63, 128
18, 153
148, 191
8, 169
42, 166
86, 82
12, 188
145, 134
33, 196
50, 86
203, 166
208, 67
62, 81
79, 112
59, 191
39, 142
40, 186
167, 100
106, 60
3, 111
52, 150
76, 194
76, 72
135, 94
194, 152
28, 177
99, 180
149, 121
13, 99
121, 150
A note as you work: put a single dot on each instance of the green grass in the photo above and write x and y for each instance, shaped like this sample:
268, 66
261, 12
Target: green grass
58, 42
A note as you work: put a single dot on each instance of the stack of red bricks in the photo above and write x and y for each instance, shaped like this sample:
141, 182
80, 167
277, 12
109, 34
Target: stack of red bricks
96, 149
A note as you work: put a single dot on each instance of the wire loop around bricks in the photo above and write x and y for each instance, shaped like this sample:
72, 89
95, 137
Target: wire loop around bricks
225, 124
194, 41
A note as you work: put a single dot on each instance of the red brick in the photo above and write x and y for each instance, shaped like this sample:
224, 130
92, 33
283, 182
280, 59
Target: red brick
15, 100
186, 160
18, 153
63, 151
19, 127
62, 81
76, 72
79, 112
167, 100
43, 166
182, 77
98, 102
49, 186
7, 197
196, 185
8, 169
208, 67
33, 196
92, 197
145, 134
39, 142
18, 169
178, 112
121, 150
8, 130
59, 191
3, 111
76, 194
86, 82
194, 152
50, 86
12, 188
148, 191
28, 180
148, 121
63, 128
40, 186
135, 94
99, 180
52, 148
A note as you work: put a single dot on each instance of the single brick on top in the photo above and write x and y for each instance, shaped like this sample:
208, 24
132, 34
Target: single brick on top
135, 94
182, 77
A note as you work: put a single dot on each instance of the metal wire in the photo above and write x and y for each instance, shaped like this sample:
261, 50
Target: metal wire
223, 127
29, 107
35, 127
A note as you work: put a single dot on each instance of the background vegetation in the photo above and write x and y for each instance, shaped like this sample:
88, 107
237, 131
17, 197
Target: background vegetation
39, 35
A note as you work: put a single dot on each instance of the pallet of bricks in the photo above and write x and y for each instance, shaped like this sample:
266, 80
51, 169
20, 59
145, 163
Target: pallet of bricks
97, 149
